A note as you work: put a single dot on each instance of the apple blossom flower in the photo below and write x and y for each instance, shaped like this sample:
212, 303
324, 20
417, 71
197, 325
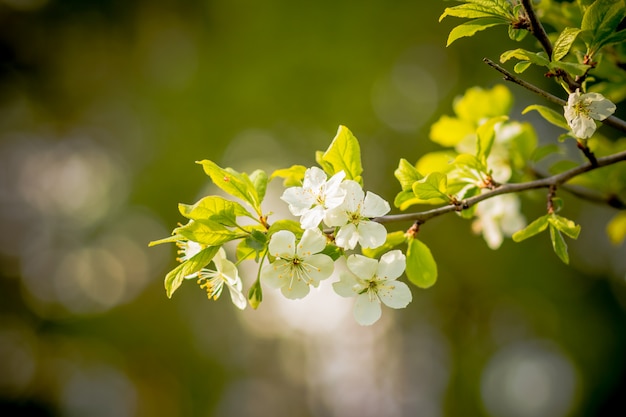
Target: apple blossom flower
373, 282
315, 197
582, 110
354, 216
297, 266
225, 273
498, 217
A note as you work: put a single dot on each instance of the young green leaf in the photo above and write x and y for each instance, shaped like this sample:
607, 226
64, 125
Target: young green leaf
524, 55
252, 246
233, 183
564, 225
558, 244
600, 21
538, 226
486, 135
175, 277
207, 232
550, 115
473, 10
170, 239
259, 181
470, 28
344, 154
564, 42
433, 186
215, 208
292, 176
406, 174
421, 268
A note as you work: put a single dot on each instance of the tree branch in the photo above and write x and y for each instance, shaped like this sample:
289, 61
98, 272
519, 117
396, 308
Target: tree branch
612, 121
547, 182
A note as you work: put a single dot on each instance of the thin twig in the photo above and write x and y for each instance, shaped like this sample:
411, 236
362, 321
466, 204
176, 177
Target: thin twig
547, 182
612, 121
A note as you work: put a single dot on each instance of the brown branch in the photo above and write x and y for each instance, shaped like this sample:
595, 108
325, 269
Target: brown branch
553, 181
612, 121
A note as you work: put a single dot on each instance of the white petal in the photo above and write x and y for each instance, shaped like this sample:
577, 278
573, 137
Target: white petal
347, 237
347, 286
336, 217
367, 310
374, 206
371, 234
583, 126
276, 274
312, 218
298, 199
282, 244
334, 193
362, 266
354, 196
317, 267
295, 289
314, 178
395, 294
491, 232
313, 241
600, 108
392, 264
236, 296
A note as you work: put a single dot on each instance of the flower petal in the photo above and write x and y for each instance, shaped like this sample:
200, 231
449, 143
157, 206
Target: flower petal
371, 234
347, 237
395, 294
374, 206
238, 299
312, 241
317, 267
367, 309
354, 196
312, 218
599, 107
282, 244
299, 200
314, 178
391, 265
347, 286
336, 217
276, 274
295, 289
362, 266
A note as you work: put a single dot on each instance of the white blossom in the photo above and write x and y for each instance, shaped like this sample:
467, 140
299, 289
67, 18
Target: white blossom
354, 216
498, 217
297, 266
225, 273
373, 282
582, 110
315, 197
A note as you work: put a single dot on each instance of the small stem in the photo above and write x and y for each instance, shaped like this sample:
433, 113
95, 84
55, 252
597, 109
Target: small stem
551, 195
554, 180
587, 152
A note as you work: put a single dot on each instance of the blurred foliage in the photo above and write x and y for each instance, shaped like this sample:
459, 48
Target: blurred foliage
104, 107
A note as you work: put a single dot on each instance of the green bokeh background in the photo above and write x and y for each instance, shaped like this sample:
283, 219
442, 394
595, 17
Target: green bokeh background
104, 107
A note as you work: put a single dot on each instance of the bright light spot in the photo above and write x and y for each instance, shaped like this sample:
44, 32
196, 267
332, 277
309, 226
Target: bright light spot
529, 380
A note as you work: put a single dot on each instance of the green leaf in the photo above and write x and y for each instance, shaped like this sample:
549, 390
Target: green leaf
326, 166
434, 185
449, 131
600, 21
421, 268
207, 232
233, 183
486, 135
292, 176
170, 239
252, 246
517, 34
255, 295
473, 10
564, 225
259, 181
393, 239
549, 115
536, 227
215, 208
175, 277
470, 28
521, 66
564, 42
616, 229
406, 174
524, 55
543, 151
344, 154
285, 224
558, 244
617, 37
570, 67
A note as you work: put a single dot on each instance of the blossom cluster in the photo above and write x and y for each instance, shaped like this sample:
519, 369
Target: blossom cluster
340, 204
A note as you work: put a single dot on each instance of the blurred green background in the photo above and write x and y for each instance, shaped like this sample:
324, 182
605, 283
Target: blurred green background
104, 107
